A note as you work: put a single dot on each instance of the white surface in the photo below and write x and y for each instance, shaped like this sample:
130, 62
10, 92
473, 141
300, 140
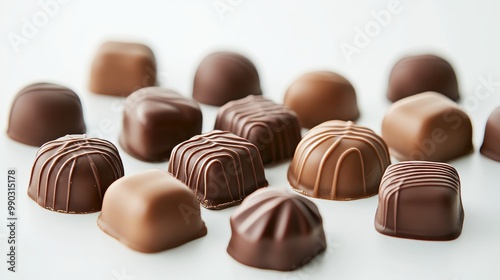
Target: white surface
284, 39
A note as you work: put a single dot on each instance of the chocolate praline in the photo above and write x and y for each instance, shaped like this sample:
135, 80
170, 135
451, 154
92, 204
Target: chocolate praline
491, 147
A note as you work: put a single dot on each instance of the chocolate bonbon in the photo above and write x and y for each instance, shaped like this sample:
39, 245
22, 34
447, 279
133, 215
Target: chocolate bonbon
225, 76
150, 212
321, 96
274, 229
427, 126
120, 68
219, 167
155, 120
71, 174
43, 112
420, 200
415, 74
273, 128
491, 147
339, 160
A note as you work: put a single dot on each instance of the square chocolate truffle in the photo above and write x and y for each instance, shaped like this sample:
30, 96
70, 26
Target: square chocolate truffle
121, 68
151, 212
427, 126
491, 147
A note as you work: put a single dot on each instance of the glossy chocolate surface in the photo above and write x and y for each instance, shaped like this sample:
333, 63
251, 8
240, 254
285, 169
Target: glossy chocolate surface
427, 126
43, 112
120, 68
275, 229
420, 200
150, 212
155, 120
225, 76
321, 96
491, 142
71, 174
273, 128
219, 167
340, 161
415, 74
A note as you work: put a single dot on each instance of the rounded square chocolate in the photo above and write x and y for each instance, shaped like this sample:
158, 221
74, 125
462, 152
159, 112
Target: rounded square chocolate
491, 147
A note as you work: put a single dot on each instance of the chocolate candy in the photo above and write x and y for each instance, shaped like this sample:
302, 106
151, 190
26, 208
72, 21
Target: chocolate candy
71, 174
155, 120
415, 74
427, 126
121, 68
150, 212
274, 229
43, 112
219, 167
274, 129
321, 96
490, 147
340, 161
225, 76
420, 200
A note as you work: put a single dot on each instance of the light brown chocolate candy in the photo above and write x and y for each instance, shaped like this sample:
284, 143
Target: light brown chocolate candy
491, 147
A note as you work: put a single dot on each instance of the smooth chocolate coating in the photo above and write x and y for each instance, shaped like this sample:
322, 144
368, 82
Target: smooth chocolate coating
420, 200
121, 68
491, 147
71, 174
340, 161
427, 126
155, 120
150, 212
225, 76
219, 167
43, 112
415, 74
274, 229
273, 128
321, 96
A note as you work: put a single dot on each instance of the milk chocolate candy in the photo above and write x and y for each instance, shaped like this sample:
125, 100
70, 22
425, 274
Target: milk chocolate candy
491, 147
427, 126
274, 229
225, 76
155, 120
219, 167
273, 128
339, 160
43, 112
121, 68
150, 212
415, 74
420, 200
71, 174
321, 96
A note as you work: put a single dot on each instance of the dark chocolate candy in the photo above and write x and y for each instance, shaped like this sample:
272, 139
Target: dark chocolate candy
340, 161
150, 212
155, 120
420, 200
427, 126
415, 74
225, 76
43, 112
121, 68
274, 229
219, 167
71, 174
491, 146
273, 128
321, 96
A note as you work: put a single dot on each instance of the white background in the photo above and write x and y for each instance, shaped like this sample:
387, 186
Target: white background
284, 39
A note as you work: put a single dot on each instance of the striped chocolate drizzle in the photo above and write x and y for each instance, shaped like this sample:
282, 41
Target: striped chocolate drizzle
411, 174
57, 156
